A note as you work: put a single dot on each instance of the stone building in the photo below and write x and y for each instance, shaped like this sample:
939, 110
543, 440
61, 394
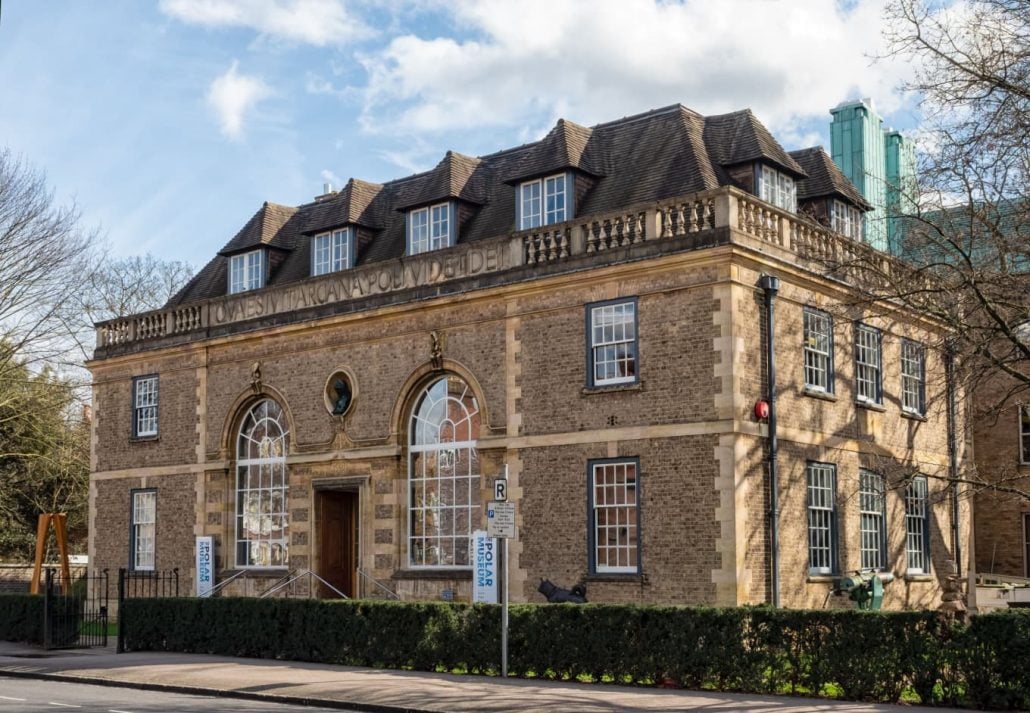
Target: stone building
337, 390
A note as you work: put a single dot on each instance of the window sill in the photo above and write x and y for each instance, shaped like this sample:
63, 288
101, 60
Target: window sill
144, 439
617, 577
431, 574
822, 578
919, 577
628, 386
913, 416
822, 395
254, 571
870, 406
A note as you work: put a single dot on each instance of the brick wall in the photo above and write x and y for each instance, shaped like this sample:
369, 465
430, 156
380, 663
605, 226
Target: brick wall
689, 420
1000, 547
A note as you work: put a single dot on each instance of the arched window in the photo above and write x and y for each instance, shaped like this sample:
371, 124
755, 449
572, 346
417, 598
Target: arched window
443, 475
261, 516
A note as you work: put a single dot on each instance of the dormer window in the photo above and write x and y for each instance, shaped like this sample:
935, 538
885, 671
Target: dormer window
777, 188
430, 229
847, 220
542, 202
246, 271
332, 252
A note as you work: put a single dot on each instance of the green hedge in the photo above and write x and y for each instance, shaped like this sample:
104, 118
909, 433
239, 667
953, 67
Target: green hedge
21, 618
874, 656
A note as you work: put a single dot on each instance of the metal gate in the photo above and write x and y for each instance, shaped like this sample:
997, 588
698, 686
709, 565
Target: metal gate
136, 584
75, 610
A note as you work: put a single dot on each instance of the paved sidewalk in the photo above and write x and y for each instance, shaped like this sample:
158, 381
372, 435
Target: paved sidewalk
363, 689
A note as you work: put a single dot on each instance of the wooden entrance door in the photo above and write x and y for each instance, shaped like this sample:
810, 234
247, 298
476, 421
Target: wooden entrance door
338, 538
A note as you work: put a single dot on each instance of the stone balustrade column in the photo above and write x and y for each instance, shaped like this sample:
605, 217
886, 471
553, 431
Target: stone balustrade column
577, 240
652, 224
517, 250
725, 210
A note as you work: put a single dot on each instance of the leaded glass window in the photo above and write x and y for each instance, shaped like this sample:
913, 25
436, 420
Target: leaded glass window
868, 360
777, 188
917, 530
246, 271
331, 252
261, 488
542, 202
144, 524
818, 348
613, 343
144, 406
873, 520
443, 475
1024, 432
913, 377
429, 229
822, 518
615, 506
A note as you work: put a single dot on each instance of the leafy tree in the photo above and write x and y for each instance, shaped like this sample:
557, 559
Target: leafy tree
55, 281
965, 261
44, 457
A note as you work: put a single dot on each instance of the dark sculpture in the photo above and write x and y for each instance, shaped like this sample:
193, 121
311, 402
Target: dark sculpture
557, 595
343, 396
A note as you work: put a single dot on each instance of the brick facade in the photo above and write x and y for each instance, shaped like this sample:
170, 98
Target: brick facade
508, 315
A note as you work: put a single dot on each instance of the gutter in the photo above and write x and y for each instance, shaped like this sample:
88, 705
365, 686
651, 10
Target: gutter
949, 376
770, 284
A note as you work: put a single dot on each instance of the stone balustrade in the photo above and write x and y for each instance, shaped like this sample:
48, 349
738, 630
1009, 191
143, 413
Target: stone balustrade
152, 325
747, 218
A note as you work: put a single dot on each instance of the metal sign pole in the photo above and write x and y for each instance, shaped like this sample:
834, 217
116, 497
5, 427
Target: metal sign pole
504, 611
504, 595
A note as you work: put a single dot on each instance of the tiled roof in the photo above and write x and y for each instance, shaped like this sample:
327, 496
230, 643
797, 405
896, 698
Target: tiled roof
352, 205
740, 138
567, 145
456, 176
648, 157
262, 229
825, 178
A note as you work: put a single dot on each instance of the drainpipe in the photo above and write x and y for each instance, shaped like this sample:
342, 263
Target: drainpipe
770, 284
949, 377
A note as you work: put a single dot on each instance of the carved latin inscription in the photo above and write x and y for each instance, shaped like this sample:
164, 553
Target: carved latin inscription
362, 282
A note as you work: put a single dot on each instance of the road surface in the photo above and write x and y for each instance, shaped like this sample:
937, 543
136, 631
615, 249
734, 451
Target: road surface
32, 696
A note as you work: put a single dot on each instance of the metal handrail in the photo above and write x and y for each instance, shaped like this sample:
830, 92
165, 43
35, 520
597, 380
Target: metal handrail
389, 592
221, 585
308, 573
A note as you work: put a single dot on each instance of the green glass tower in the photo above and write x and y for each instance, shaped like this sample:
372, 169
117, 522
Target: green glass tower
881, 164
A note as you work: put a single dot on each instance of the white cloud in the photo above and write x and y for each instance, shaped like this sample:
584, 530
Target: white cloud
232, 95
594, 60
331, 178
315, 22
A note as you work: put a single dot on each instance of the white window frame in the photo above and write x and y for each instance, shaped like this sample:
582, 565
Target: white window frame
1024, 433
614, 516
145, 400
444, 475
872, 520
821, 480
613, 341
913, 377
868, 364
817, 334
917, 526
144, 530
429, 228
262, 488
246, 271
778, 188
543, 201
331, 251
846, 219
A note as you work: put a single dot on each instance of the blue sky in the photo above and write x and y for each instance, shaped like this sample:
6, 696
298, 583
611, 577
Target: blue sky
170, 122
